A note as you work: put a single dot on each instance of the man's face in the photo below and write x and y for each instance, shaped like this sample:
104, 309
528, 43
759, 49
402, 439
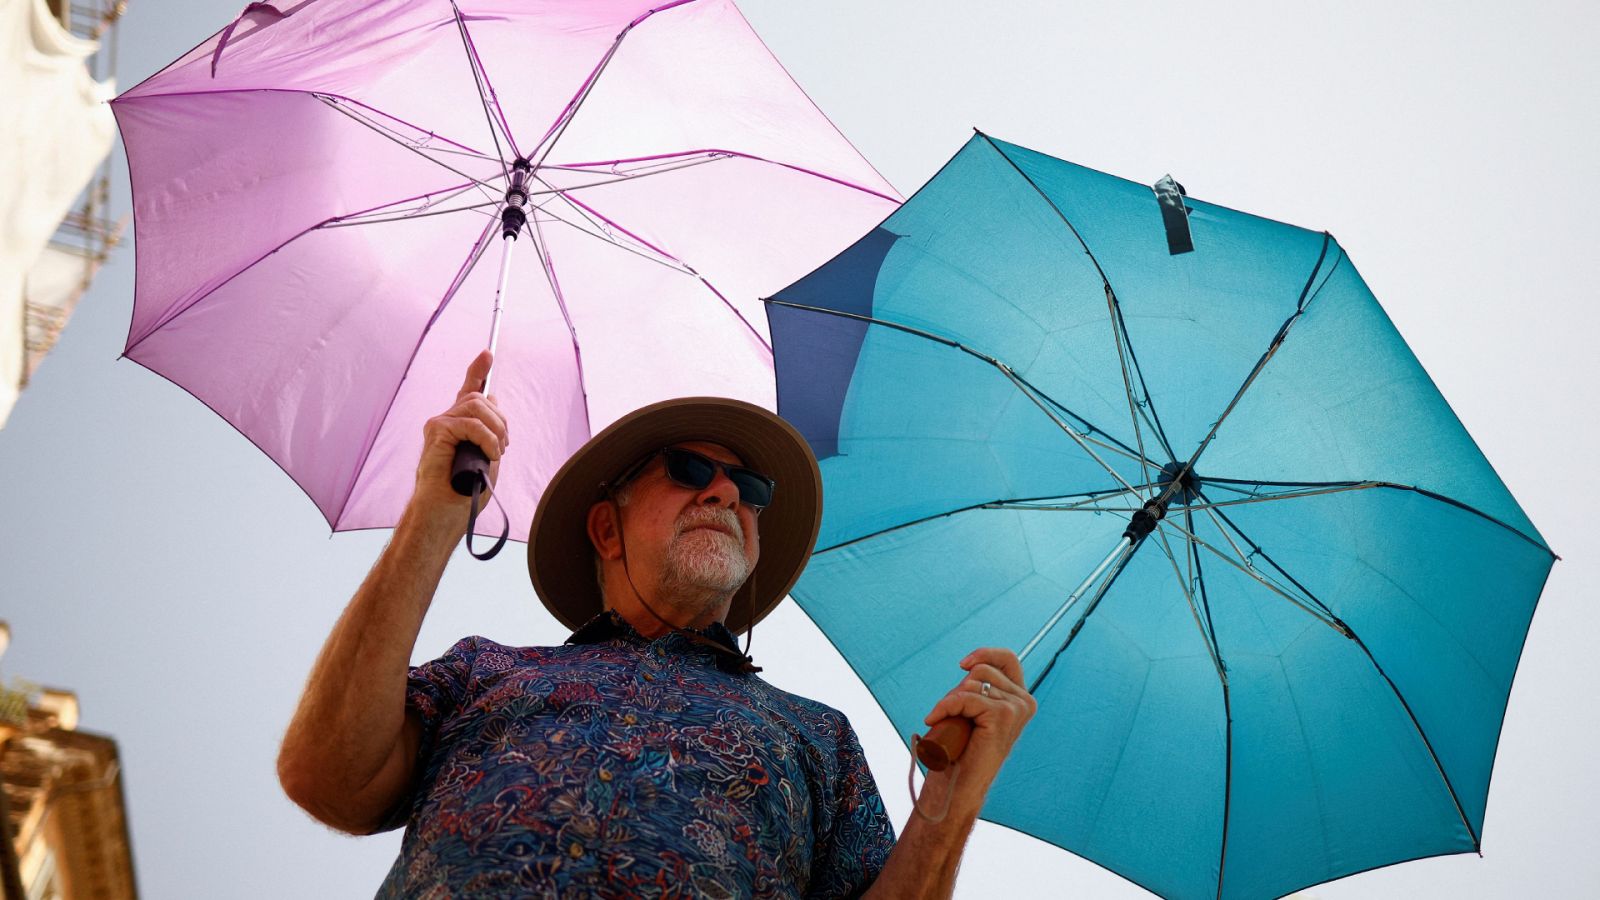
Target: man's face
701, 540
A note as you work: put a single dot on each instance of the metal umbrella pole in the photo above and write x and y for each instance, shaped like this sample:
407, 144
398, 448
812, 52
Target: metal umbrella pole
469, 471
945, 741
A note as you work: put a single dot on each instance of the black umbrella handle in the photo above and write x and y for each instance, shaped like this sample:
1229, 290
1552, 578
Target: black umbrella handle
469, 470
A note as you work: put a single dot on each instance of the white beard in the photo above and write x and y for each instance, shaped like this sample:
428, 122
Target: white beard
703, 560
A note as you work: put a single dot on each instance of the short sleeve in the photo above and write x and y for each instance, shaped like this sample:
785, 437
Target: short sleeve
435, 690
855, 849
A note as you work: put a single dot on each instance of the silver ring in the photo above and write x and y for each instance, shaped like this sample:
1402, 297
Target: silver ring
984, 688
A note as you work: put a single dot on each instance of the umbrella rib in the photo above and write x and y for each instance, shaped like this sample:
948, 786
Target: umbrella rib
1110, 443
1306, 296
1194, 606
167, 317
1208, 632
387, 214
713, 156
674, 265
604, 228
1338, 486
480, 80
1265, 582
547, 262
1127, 382
1094, 604
557, 128
1071, 432
987, 504
376, 425
1119, 327
1198, 569
735, 153
1366, 651
688, 269
333, 103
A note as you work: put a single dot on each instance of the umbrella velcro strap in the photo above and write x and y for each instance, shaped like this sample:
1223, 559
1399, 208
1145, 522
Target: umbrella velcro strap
1174, 215
472, 525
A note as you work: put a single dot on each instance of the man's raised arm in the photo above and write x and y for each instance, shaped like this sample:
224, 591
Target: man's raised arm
350, 752
924, 860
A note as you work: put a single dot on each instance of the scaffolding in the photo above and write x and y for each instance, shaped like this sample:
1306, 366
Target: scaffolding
86, 235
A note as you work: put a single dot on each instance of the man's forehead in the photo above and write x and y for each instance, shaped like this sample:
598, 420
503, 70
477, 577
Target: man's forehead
712, 449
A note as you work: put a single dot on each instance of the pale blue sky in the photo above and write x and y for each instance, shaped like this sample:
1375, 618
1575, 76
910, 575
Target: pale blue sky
153, 561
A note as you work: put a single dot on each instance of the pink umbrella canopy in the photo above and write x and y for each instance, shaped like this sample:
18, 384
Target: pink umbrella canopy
315, 185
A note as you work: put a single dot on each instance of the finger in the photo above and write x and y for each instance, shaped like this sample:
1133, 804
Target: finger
969, 704
999, 657
454, 430
477, 373
477, 406
505, 425
998, 679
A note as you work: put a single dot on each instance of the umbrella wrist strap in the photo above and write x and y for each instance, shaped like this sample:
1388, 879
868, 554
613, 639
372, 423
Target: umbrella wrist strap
472, 524
911, 785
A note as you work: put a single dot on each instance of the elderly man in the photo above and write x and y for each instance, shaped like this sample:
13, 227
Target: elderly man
643, 757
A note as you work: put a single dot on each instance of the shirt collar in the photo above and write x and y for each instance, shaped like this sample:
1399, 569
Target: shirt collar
716, 638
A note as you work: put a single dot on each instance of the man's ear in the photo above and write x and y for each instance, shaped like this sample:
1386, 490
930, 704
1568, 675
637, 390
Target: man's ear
605, 529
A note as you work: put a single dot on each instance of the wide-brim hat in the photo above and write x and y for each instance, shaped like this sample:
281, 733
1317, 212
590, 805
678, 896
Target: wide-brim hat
561, 558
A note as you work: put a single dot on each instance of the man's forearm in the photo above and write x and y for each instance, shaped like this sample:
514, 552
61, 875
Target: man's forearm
340, 757
924, 860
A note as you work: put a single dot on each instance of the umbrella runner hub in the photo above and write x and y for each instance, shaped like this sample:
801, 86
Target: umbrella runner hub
512, 215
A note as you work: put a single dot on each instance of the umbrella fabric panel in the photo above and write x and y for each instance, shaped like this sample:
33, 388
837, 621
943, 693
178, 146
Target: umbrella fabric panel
1196, 322
405, 59
935, 431
286, 350
944, 595
1441, 598
1128, 704
1128, 769
1344, 399
692, 77
207, 211
713, 221
1328, 774
537, 382
981, 262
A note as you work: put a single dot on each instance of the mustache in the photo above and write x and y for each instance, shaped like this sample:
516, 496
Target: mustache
720, 516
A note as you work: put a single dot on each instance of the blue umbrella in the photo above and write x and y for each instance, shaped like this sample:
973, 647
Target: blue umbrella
1269, 593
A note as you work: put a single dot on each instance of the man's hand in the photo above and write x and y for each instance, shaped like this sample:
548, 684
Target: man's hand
475, 418
924, 860
998, 716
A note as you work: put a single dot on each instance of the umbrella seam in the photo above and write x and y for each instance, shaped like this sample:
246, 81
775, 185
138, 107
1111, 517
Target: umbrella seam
124, 99
376, 426
1119, 334
1002, 367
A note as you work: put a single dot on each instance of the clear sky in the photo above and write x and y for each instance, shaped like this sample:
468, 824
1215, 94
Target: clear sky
153, 561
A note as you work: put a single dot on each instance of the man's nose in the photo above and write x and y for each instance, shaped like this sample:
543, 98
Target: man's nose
720, 492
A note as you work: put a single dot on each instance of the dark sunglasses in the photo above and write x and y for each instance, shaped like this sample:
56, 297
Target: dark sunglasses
694, 471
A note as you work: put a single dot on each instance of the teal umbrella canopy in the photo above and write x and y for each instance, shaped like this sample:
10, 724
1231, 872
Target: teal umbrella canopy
1298, 668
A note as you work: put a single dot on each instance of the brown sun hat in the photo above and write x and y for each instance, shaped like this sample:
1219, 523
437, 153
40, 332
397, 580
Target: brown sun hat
561, 559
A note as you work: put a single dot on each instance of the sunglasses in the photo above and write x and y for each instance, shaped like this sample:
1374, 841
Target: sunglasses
694, 471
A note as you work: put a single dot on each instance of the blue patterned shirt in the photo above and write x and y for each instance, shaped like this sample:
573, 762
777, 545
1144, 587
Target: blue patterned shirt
616, 766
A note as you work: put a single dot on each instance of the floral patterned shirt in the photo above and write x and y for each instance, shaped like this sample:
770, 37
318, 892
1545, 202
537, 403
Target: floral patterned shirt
616, 766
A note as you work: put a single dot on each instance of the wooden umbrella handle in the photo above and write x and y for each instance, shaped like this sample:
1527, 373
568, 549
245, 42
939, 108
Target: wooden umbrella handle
944, 743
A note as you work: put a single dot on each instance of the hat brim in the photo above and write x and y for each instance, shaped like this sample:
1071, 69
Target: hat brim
561, 558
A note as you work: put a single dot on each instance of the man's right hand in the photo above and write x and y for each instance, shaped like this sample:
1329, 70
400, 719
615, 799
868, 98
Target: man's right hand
475, 418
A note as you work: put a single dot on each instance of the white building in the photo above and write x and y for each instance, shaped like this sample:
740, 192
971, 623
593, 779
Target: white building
56, 131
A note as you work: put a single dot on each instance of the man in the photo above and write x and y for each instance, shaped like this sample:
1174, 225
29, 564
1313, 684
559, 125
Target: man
643, 757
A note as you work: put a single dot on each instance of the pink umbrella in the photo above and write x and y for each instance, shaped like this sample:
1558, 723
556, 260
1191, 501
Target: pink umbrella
315, 184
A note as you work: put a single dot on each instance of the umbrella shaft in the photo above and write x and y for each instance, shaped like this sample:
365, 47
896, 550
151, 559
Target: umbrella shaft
1073, 598
499, 298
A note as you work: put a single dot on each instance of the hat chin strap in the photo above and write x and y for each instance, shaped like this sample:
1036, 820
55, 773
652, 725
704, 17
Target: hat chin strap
747, 664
